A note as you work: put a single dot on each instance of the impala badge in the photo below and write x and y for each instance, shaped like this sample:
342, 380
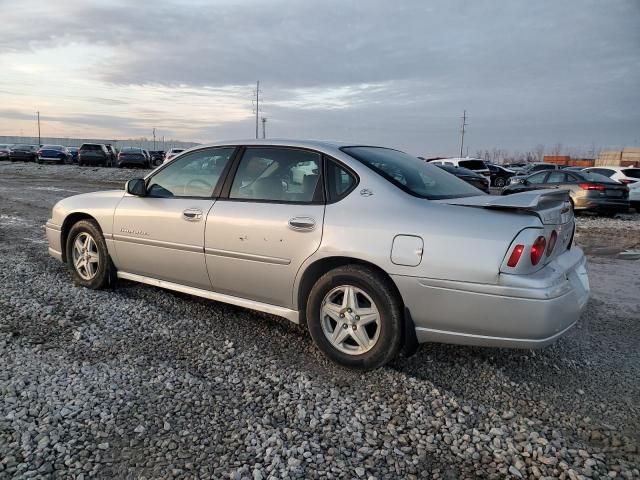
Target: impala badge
133, 232
365, 192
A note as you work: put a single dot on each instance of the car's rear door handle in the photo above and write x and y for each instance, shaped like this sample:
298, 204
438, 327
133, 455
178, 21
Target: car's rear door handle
192, 214
303, 224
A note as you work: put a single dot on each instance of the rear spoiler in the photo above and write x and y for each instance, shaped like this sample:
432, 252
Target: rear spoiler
550, 205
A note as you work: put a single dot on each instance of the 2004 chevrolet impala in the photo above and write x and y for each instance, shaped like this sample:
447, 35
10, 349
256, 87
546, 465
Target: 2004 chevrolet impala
372, 249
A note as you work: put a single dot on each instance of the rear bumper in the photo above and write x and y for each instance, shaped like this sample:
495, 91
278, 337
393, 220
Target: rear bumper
521, 311
601, 204
138, 162
54, 237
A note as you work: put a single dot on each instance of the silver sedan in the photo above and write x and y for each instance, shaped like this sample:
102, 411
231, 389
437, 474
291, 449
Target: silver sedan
372, 249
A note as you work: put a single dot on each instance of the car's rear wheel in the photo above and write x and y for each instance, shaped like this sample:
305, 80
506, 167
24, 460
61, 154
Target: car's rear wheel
355, 317
88, 257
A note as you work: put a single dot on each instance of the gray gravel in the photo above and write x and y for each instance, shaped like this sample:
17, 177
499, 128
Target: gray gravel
138, 382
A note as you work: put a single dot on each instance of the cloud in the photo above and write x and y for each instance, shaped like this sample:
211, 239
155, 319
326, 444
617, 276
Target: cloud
403, 69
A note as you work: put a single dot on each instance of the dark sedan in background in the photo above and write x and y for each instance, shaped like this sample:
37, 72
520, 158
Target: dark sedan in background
588, 191
499, 175
25, 153
53, 153
479, 181
133, 157
4, 151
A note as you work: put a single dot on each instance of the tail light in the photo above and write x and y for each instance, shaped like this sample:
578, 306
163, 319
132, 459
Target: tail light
515, 255
537, 250
626, 181
552, 242
592, 186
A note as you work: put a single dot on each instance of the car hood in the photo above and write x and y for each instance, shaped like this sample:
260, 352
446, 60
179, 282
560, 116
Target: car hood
550, 205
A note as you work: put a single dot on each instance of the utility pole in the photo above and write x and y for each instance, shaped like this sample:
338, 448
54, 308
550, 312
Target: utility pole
154, 138
39, 142
264, 127
464, 124
257, 105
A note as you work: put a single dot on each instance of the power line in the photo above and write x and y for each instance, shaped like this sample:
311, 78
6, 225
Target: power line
39, 142
257, 105
464, 124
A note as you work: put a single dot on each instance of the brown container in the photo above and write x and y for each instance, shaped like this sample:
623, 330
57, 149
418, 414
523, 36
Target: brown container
557, 159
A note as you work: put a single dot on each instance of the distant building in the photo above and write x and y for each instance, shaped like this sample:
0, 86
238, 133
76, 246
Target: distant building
566, 160
627, 157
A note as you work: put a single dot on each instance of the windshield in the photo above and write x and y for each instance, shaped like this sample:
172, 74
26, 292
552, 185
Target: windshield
473, 164
411, 174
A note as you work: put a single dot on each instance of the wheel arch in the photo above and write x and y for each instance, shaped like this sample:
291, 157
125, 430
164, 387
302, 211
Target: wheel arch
69, 221
321, 266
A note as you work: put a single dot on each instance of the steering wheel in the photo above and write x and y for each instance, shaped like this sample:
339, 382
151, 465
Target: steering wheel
197, 181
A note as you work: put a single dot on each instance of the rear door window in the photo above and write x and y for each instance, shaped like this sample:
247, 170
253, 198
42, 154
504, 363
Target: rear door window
632, 172
556, 177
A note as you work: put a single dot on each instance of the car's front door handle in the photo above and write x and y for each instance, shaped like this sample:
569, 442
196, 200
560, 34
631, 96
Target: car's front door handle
192, 214
303, 224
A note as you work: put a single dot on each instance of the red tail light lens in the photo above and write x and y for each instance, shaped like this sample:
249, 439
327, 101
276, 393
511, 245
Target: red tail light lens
592, 186
515, 255
537, 250
552, 242
626, 181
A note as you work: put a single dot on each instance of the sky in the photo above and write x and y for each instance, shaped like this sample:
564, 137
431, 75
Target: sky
398, 74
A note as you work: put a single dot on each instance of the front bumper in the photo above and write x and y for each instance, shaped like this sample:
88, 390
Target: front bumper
521, 311
54, 237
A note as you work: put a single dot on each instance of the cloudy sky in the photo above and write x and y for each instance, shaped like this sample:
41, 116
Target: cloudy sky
393, 73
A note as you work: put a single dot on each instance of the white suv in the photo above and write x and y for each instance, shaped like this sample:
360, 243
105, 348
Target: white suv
624, 175
475, 164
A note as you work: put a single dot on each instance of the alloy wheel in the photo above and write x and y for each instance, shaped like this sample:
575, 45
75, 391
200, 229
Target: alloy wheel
350, 320
86, 258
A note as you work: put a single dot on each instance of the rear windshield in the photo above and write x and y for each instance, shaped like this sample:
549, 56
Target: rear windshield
53, 147
89, 146
632, 172
411, 174
473, 164
596, 177
131, 150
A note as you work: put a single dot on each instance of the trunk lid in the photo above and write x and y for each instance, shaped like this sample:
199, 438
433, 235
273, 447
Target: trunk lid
552, 206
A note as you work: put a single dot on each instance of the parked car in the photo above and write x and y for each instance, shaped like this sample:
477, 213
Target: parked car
73, 153
113, 154
624, 175
529, 169
27, 153
499, 175
303, 169
172, 153
588, 191
379, 253
94, 154
479, 181
132, 157
5, 149
475, 164
157, 157
53, 153
634, 195
515, 166
573, 169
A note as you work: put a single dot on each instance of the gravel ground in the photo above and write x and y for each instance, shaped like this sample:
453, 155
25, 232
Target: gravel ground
139, 382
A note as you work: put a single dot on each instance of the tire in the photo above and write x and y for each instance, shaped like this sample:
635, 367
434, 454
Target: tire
500, 182
94, 274
373, 291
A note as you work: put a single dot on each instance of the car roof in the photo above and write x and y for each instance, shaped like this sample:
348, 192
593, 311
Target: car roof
617, 168
290, 143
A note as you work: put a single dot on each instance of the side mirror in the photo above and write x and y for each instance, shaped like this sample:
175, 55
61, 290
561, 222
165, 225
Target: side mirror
136, 187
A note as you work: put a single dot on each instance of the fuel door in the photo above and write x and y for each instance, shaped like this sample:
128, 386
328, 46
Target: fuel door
407, 250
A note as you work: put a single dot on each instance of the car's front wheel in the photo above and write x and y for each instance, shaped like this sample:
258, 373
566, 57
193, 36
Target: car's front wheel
88, 257
500, 182
355, 317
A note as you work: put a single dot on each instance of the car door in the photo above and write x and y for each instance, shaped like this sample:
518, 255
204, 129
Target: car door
556, 179
265, 225
161, 234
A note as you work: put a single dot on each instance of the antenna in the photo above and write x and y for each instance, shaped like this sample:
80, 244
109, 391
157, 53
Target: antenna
464, 124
